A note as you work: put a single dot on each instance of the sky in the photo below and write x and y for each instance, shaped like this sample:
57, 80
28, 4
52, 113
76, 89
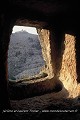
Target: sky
31, 30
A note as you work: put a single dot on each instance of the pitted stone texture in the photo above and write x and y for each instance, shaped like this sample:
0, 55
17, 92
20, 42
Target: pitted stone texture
46, 50
68, 73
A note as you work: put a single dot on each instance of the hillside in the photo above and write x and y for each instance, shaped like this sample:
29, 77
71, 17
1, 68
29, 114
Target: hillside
24, 55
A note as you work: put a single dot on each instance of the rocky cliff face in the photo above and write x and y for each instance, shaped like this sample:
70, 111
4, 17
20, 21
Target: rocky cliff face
24, 55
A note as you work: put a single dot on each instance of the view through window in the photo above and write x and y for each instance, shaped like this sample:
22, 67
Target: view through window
24, 54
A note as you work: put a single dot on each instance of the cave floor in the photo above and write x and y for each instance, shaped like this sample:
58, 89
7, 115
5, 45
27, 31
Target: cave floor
45, 107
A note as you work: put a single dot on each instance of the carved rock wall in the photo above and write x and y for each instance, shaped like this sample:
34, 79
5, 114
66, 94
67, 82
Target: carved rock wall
59, 15
68, 74
46, 45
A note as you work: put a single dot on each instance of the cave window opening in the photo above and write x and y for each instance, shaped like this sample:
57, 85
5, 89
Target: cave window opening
25, 58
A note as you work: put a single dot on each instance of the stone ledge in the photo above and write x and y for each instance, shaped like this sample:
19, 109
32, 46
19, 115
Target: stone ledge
32, 88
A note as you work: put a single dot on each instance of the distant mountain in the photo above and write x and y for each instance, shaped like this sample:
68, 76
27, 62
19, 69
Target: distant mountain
24, 55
